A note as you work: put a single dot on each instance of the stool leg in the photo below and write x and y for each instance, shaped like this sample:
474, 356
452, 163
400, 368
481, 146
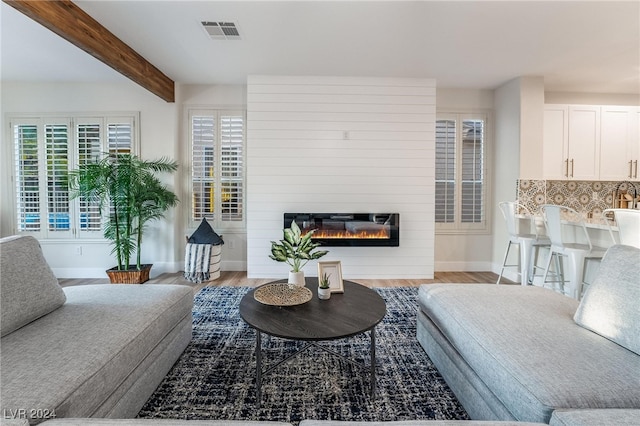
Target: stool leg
504, 262
559, 273
526, 248
576, 263
546, 268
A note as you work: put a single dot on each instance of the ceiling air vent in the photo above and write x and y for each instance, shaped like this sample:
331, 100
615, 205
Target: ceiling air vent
221, 30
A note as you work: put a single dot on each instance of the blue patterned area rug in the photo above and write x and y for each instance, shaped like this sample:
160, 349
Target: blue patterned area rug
215, 377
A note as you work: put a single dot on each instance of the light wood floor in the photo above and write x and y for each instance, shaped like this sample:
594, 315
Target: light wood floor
239, 279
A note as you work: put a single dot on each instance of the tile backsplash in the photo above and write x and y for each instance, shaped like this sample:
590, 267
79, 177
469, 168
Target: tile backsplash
587, 197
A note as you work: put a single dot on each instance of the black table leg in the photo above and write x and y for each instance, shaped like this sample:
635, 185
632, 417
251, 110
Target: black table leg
258, 368
373, 362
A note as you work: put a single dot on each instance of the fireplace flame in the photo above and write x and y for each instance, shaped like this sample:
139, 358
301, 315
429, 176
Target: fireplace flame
340, 234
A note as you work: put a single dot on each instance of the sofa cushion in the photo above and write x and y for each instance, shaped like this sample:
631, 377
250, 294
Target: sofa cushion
523, 344
70, 361
611, 305
600, 417
28, 288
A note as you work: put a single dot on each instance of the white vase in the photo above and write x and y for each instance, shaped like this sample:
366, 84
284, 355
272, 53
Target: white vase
296, 278
324, 293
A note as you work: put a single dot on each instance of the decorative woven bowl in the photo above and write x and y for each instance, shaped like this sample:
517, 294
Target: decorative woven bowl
282, 294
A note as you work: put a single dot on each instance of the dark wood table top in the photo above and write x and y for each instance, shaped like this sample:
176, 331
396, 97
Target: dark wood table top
355, 311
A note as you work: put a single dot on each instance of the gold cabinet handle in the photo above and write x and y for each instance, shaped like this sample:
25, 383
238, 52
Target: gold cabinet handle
566, 168
635, 175
630, 169
572, 167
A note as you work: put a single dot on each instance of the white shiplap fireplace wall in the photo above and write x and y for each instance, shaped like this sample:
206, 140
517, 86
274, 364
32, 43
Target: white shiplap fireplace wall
343, 145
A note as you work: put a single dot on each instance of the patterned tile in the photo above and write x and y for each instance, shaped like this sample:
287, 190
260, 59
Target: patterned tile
586, 197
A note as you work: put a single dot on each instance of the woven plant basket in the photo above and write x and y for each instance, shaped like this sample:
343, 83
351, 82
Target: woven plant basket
129, 276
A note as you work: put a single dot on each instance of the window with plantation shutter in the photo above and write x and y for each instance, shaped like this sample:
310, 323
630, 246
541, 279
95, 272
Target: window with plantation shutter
27, 177
57, 160
445, 170
89, 136
46, 149
460, 187
231, 167
217, 169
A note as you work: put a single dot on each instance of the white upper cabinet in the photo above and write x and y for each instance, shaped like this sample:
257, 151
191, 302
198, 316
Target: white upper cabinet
571, 144
555, 142
586, 142
618, 143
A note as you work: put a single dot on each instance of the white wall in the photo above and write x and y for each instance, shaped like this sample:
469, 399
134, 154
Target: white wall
518, 107
325, 144
158, 137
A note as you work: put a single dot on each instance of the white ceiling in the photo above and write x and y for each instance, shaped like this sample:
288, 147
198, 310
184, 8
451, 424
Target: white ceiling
577, 46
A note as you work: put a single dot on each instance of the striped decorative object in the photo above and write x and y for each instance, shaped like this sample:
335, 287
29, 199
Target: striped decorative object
202, 262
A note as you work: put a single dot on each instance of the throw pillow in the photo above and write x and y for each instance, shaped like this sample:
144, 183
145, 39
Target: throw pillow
28, 287
611, 305
205, 235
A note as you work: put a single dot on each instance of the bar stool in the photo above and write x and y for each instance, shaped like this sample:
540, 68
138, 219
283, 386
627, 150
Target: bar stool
628, 222
528, 243
576, 253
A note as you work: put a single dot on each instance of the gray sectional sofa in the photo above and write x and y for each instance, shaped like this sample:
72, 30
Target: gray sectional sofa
82, 351
528, 353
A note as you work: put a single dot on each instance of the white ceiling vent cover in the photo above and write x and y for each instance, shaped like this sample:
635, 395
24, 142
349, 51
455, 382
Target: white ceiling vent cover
221, 30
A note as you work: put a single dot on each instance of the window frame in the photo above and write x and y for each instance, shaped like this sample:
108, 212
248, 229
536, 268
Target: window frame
215, 220
458, 226
72, 121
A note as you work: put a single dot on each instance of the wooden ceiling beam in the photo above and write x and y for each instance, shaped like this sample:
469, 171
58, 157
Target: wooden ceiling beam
73, 24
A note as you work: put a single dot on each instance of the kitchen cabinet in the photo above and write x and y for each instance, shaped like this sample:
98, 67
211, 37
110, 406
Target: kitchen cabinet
555, 140
571, 142
619, 143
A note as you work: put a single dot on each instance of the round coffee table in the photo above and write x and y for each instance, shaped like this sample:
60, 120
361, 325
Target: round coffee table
357, 310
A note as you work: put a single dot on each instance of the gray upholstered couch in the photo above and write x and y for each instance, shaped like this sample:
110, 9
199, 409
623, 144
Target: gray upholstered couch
82, 351
520, 353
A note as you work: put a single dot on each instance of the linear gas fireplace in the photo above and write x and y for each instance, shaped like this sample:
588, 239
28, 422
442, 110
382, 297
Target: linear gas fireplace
349, 229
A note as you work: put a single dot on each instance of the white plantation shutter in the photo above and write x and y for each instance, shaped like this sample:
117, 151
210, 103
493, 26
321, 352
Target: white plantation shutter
203, 138
217, 172
232, 167
89, 138
120, 136
45, 149
57, 155
460, 172
472, 171
27, 177
445, 171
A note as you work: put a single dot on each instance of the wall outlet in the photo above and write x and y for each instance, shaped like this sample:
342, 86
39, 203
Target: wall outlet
594, 196
232, 245
79, 250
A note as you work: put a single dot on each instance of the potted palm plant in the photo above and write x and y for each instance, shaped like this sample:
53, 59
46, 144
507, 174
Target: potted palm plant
130, 194
296, 250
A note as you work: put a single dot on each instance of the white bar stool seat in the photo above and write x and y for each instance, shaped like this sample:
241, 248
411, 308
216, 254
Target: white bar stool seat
529, 243
576, 253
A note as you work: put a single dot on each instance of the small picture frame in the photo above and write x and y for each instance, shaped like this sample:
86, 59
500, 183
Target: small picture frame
334, 270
